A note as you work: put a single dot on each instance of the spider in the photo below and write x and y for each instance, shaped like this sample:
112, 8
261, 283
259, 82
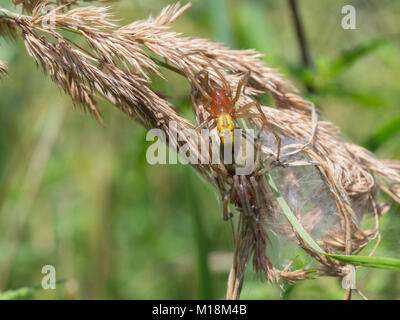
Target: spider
220, 104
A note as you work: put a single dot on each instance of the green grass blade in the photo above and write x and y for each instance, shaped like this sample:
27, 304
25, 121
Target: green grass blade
348, 58
371, 262
386, 132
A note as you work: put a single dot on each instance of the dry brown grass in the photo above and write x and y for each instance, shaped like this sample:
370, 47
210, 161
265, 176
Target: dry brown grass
115, 66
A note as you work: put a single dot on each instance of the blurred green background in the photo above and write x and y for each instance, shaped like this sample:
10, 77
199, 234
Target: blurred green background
83, 198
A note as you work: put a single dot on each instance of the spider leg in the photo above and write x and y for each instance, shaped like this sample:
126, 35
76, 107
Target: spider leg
224, 82
204, 123
218, 176
219, 167
265, 170
242, 84
262, 117
223, 169
258, 152
227, 87
203, 81
204, 93
256, 189
198, 87
213, 125
245, 107
227, 210
265, 124
278, 139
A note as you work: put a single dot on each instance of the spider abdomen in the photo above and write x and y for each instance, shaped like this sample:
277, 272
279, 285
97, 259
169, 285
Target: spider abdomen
225, 127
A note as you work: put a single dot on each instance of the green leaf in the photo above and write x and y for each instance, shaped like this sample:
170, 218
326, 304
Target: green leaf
365, 261
349, 57
21, 293
372, 262
369, 99
389, 130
